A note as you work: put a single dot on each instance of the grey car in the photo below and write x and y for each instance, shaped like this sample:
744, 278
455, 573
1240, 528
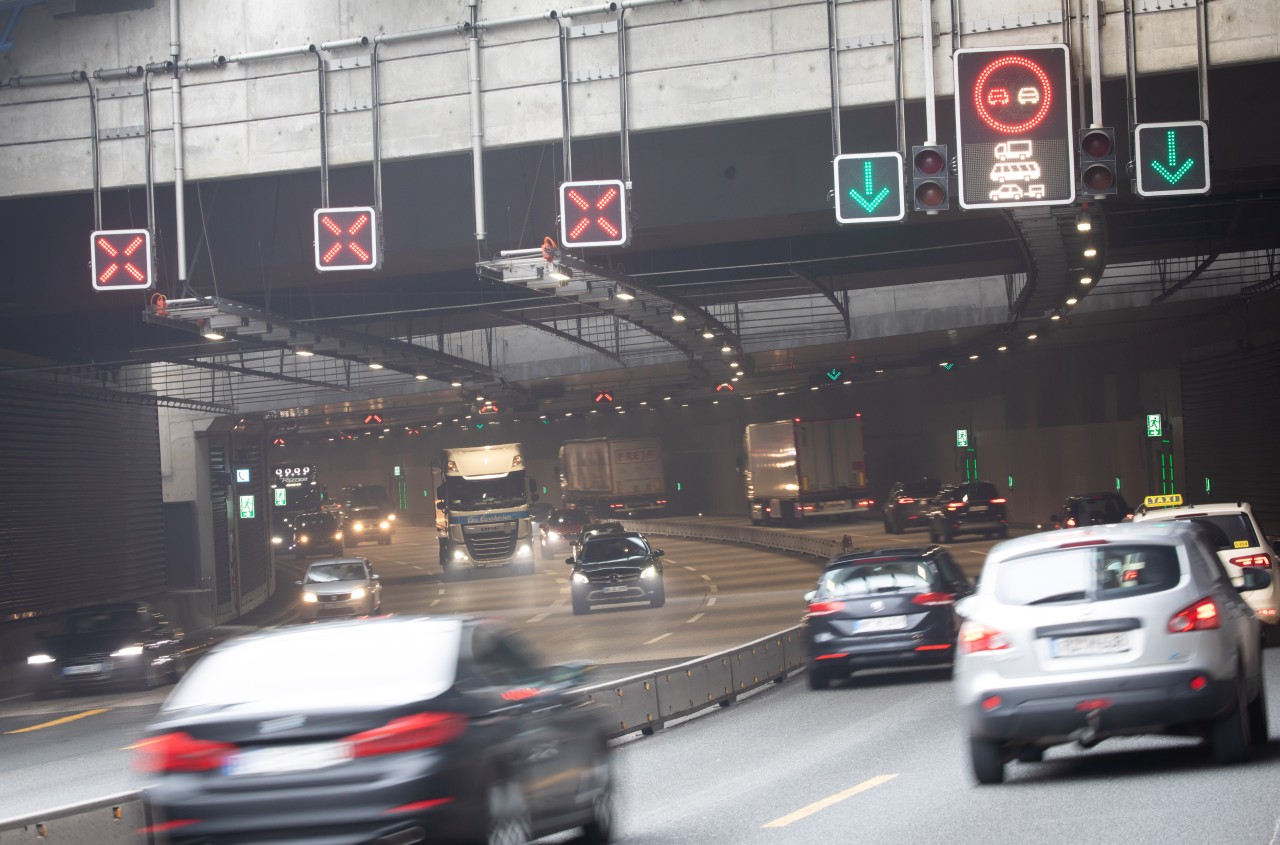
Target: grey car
335, 587
1112, 630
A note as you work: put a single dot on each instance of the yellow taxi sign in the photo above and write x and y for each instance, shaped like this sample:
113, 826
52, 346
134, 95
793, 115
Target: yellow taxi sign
1167, 501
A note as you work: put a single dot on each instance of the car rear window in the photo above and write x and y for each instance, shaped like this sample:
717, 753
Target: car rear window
877, 577
1101, 510
1236, 526
325, 666
1087, 573
920, 489
979, 492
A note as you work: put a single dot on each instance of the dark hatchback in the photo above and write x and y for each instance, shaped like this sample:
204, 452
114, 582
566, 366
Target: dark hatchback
127, 643
1091, 509
972, 507
907, 505
561, 531
891, 607
389, 730
318, 533
616, 567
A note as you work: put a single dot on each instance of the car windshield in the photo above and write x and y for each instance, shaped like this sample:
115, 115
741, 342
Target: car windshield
469, 494
96, 622
612, 548
1236, 526
877, 577
324, 573
362, 497
1087, 573
315, 522
325, 667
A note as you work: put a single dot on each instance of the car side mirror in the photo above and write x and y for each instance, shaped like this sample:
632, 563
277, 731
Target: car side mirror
440, 504
658, 553
1254, 579
570, 561
376, 577
808, 597
297, 583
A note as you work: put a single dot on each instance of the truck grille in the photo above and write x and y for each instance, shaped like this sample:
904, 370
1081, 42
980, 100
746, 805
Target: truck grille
491, 547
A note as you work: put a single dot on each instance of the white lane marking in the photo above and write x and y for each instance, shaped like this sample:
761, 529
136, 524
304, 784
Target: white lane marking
539, 617
817, 806
711, 602
440, 591
659, 637
705, 577
696, 617
415, 566
690, 568
434, 602
714, 588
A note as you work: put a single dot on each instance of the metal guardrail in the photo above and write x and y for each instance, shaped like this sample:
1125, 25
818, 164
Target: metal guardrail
641, 703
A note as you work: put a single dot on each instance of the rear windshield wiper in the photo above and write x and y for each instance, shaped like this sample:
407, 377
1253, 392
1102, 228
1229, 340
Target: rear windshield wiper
1072, 596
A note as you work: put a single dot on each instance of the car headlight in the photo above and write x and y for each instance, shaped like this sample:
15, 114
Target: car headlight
275, 541
309, 598
579, 578
391, 517
37, 659
358, 527
337, 535
384, 525
303, 538
552, 535
128, 651
358, 593
649, 571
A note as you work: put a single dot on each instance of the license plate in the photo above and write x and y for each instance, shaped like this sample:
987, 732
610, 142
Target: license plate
86, 669
1090, 645
881, 623
977, 508
293, 758
618, 589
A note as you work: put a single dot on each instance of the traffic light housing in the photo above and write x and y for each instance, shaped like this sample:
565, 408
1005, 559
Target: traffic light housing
1096, 148
594, 214
346, 239
868, 187
121, 259
1171, 158
930, 179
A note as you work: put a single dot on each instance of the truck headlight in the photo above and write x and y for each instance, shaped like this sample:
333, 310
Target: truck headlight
459, 554
524, 550
38, 659
553, 535
385, 524
128, 651
579, 578
275, 541
309, 598
303, 538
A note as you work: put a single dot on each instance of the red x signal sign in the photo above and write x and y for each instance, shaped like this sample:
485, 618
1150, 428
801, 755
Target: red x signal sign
346, 238
593, 214
121, 259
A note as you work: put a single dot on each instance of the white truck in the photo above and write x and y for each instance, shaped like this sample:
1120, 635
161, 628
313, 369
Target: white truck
482, 510
798, 470
613, 476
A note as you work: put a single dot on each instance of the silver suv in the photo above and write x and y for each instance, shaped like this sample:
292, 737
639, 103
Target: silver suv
1112, 630
1240, 544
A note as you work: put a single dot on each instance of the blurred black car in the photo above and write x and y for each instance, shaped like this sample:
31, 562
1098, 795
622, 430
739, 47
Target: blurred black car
971, 507
318, 533
123, 643
387, 730
891, 607
597, 528
616, 567
1091, 509
367, 515
561, 531
907, 505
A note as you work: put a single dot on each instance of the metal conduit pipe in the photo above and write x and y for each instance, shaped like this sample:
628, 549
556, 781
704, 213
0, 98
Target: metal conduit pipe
358, 41
1095, 68
955, 26
623, 106
414, 35
567, 154
376, 87
1202, 56
548, 15
833, 60
322, 111
899, 112
93, 146
477, 123
602, 8
203, 64
1080, 64
274, 54
47, 79
179, 167
131, 72
1131, 63
926, 51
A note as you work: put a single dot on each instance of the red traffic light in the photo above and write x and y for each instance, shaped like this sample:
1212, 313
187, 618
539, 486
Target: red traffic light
930, 182
121, 259
1096, 143
929, 161
594, 214
1097, 148
346, 238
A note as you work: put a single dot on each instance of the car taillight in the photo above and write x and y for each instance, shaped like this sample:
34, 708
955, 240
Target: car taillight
999, 501
954, 506
1201, 616
180, 752
906, 500
934, 599
866, 503
1071, 522
976, 637
825, 608
410, 733
1252, 560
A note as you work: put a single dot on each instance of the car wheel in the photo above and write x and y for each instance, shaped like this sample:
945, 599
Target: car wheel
1003, 533
599, 830
987, 759
580, 605
933, 534
888, 527
506, 816
1259, 731
948, 536
659, 597
1229, 734
818, 678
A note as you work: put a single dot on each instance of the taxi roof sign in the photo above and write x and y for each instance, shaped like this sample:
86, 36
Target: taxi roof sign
1170, 500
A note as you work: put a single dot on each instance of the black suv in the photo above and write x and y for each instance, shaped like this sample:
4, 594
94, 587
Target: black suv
971, 507
1091, 509
616, 567
318, 533
907, 505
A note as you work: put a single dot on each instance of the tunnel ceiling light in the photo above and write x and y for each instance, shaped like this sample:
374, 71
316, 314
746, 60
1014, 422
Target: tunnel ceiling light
560, 273
1084, 223
1071, 300
1032, 336
304, 352
726, 349
624, 294
456, 383
1086, 280
1090, 251
1055, 316
421, 376
973, 357
1002, 348
374, 365
677, 316
708, 334
213, 334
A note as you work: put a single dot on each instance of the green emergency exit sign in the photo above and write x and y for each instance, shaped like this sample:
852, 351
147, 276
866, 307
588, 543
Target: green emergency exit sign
247, 507
1155, 425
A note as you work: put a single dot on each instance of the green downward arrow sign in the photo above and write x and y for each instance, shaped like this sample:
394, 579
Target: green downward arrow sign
1174, 171
870, 198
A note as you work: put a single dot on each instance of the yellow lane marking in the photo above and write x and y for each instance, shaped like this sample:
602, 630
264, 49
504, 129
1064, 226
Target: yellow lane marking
61, 721
817, 806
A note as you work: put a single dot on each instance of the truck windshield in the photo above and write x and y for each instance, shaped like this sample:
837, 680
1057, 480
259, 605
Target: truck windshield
469, 494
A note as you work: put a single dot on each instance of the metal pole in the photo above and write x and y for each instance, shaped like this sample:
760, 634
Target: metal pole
955, 26
179, 183
564, 100
377, 128
322, 109
899, 114
93, 145
1131, 62
1095, 66
833, 60
1080, 115
926, 51
477, 123
1202, 56
623, 105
